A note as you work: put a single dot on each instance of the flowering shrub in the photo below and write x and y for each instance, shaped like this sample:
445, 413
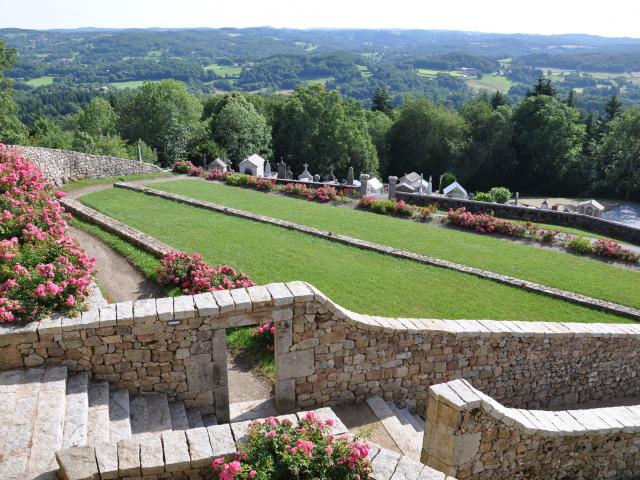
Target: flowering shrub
182, 166
196, 171
321, 194
400, 208
265, 335
581, 245
485, 223
237, 179
607, 248
276, 449
43, 269
217, 175
259, 183
425, 214
193, 275
403, 209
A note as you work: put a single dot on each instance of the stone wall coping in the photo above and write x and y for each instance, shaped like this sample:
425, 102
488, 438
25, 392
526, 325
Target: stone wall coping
281, 295
180, 451
462, 396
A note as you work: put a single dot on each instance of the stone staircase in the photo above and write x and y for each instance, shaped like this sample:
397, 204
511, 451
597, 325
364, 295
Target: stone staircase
404, 428
43, 410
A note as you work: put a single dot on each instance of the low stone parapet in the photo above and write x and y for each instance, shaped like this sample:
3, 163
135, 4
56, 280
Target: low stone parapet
472, 436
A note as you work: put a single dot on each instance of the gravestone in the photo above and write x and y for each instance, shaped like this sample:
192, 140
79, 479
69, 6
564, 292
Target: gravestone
421, 184
350, 176
316, 178
332, 177
305, 175
364, 181
517, 197
267, 170
282, 169
430, 186
392, 186
289, 174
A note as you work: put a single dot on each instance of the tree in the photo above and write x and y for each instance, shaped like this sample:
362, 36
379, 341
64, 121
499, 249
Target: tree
97, 118
498, 99
489, 159
542, 87
240, 129
548, 137
620, 151
571, 98
426, 138
382, 101
612, 109
379, 127
320, 127
12, 130
164, 115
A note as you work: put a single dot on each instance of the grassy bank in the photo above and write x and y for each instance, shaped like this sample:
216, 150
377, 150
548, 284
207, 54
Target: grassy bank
363, 281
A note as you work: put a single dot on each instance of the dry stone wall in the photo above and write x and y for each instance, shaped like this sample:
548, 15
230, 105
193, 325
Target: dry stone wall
60, 166
335, 355
471, 436
538, 215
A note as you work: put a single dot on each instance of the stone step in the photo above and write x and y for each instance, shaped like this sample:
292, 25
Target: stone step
77, 411
408, 444
18, 400
150, 414
179, 419
195, 418
418, 422
119, 416
405, 419
252, 410
48, 424
98, 421
209, 420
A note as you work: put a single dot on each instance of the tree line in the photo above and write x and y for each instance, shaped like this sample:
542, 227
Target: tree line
542, 145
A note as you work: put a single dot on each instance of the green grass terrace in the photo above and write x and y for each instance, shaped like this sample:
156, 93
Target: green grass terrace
362, 281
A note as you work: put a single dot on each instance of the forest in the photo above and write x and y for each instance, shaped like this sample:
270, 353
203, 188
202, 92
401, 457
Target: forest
552, 131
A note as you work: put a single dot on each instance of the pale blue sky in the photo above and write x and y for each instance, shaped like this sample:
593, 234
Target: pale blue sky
608, 18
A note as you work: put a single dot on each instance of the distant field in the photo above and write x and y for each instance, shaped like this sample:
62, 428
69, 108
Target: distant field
309, 47
427, 72
130, 84
490, 82
40, 81
364, 71
320, 80
224, 70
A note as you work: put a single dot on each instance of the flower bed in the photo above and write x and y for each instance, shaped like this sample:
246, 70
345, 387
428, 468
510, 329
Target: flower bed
182, 166
43, 269
217, 175
487, 223
278, 450
193, 275
265, 336
397, 207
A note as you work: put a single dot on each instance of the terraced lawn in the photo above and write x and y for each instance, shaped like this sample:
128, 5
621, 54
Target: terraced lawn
548, 267
363, 281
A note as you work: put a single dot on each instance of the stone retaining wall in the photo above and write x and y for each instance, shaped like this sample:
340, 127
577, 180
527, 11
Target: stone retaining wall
471, 436
536, 215
171, 345
325, 354
60, 166
115, 226
334, 355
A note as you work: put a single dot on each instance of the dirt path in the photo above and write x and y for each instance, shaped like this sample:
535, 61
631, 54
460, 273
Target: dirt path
118, 280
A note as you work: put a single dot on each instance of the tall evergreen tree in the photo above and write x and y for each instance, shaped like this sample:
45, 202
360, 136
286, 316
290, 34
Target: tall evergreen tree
498, 99
542, 87
612, 108
382, 101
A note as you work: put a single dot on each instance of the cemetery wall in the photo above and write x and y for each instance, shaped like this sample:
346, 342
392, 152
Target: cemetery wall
537, 215
60, 166
470, 435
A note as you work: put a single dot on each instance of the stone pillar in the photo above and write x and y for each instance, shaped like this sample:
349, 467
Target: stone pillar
220, 374
364, 181
392, 186
282, 170
350, 176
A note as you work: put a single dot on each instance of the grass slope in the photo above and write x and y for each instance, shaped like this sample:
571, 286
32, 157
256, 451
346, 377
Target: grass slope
87, 182
552, 268
363, 281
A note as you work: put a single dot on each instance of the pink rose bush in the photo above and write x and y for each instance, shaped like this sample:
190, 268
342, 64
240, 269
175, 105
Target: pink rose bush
609, 249
265, 335
399, 208
485, 223
259, 183
217, 175
193, 275
322, 194
42, 269
278, 450
182, 166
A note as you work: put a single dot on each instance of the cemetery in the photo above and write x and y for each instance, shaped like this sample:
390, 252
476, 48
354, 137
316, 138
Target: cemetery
473, 356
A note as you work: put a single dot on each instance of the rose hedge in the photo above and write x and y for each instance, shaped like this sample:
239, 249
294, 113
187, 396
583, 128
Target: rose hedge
278, 450
192, 275
43, 269
397, 207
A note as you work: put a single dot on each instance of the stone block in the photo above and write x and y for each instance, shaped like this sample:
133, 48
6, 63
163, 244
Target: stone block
206, 305
259, 296
128, 458
221, 440
183, 307
241, 299
124, 312
224, 300
78, 463
108, 316
91, 318
176, 451
280, 294
164, 307
107, 458
200, 450
300, 291
151, 455
295, 364
144, 311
